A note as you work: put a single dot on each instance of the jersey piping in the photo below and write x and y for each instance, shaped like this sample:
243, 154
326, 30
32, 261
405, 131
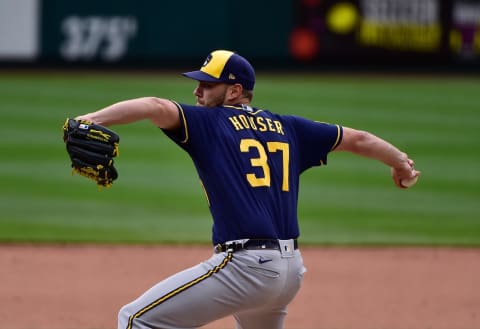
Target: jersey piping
184, 121
339, 135
180, 289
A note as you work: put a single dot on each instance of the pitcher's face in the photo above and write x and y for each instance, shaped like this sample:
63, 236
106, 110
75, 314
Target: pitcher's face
210, 94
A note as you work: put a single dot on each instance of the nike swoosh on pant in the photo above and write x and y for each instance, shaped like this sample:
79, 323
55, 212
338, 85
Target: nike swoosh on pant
264, 260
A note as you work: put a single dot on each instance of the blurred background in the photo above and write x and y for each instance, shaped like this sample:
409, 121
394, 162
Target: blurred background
313, 34
406, 70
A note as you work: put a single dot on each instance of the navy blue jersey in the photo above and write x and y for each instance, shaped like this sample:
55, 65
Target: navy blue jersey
249, 162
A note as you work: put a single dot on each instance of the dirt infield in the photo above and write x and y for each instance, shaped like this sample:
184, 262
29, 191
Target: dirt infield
82, 287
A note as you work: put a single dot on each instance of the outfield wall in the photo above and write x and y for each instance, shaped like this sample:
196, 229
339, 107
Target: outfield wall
315, 33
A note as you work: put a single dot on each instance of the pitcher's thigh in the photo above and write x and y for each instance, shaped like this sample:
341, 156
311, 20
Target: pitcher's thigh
188, 299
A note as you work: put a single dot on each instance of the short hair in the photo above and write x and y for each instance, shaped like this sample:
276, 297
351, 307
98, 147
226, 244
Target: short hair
248, 94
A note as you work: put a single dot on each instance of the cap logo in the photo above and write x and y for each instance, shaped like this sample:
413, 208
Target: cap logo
215, 63
207, 60
231, 76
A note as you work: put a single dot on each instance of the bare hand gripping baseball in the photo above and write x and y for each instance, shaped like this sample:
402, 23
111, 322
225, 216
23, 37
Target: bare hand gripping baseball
408, 180
91, 148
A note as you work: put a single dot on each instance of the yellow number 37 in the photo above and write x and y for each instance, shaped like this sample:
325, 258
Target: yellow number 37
261, 161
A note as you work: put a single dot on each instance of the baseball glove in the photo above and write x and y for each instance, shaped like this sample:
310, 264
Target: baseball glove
91, 148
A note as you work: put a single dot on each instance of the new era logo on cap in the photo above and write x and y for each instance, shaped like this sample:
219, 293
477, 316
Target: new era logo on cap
227, 67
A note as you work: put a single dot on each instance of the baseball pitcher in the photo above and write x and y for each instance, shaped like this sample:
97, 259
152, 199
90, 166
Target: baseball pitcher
249, 161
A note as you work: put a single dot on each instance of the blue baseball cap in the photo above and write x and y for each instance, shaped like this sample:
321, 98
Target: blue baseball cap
227, 67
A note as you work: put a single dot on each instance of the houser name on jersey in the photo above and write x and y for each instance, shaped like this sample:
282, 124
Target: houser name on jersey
242, 121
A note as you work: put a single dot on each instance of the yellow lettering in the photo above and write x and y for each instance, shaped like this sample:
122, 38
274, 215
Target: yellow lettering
252, 123
419, 37
270, 124
236, 123
261, 123
244, 121
278, 124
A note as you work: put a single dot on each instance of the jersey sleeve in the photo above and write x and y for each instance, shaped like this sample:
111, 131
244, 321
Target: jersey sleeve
315, 140
195, 124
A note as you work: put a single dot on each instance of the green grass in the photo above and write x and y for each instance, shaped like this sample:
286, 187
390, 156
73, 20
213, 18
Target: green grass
158, 198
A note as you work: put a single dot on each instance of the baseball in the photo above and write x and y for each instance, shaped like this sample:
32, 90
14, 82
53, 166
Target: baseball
409, 182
